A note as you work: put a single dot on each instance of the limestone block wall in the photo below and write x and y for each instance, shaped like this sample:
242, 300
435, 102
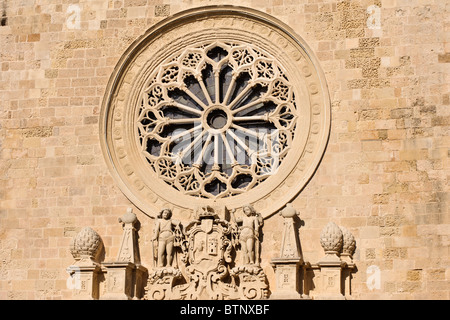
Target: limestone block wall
384, 175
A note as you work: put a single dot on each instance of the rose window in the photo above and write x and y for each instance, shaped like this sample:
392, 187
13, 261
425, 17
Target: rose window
218, 106
216, 120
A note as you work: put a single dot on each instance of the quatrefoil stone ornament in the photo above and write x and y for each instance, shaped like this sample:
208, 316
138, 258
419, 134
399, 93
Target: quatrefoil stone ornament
220, 105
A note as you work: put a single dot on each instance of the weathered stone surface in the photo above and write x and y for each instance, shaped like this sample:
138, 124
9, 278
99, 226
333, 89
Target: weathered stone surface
388, 86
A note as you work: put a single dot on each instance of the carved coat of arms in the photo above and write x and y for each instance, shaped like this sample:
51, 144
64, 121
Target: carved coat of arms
208, 270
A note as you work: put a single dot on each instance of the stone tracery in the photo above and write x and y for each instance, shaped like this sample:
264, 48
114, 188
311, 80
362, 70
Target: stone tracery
217, 120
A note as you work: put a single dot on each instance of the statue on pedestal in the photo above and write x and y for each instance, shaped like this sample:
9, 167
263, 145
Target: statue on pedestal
248, 234
165, 237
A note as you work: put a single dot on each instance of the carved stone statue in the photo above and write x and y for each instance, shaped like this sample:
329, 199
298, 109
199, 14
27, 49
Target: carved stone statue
164, 238
249, 227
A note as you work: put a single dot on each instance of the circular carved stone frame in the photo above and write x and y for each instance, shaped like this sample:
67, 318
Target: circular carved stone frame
202, 27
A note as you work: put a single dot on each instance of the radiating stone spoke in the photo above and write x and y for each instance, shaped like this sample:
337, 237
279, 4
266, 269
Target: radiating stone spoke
249, 105
264, 117
240, 96
186, 108
217, 85
249, 131
194, 97
199, 160
228, 149
205, 91
216, 151
191, 145
185, 133
229, 90
250, 152
184, 121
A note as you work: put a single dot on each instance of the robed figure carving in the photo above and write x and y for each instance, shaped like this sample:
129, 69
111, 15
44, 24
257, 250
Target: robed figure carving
248, 234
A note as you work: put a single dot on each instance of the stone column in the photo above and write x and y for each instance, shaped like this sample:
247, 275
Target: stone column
287, 266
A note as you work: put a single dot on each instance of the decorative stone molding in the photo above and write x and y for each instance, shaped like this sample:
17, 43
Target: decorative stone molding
160, 284
252, 282
198, 78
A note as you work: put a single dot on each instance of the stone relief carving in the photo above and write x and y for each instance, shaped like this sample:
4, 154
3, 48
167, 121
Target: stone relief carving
216, 255
207, 245
177, 107
85, 246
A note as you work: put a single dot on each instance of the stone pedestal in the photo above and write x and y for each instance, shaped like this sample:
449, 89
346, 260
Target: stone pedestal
120, 280
348, 249
347, 274
331, 280
125, 276
84, 281
85, 272
287, 273
331, 265
141, 282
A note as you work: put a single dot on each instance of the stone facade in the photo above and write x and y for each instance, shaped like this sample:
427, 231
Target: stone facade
382, 183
